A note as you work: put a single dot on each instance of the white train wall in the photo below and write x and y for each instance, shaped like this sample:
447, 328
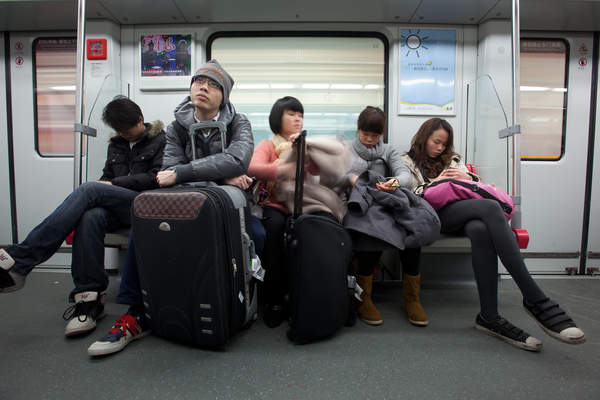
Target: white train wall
552, 192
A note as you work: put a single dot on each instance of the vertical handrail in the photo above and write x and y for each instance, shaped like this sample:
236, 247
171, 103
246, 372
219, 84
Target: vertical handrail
589, 175
79, 109
516, 150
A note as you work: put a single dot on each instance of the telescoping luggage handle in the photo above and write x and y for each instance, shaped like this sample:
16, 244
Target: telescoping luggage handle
207, 125
192, 132
299, 188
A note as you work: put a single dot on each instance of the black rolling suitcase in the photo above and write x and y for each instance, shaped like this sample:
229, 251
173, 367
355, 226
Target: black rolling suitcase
319, 252
194, 259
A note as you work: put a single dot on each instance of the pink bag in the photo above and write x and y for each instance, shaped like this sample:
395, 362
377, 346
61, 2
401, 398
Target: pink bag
446, 191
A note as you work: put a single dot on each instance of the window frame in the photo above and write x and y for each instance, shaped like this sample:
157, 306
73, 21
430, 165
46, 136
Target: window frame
565, 97
34, 93
317, 33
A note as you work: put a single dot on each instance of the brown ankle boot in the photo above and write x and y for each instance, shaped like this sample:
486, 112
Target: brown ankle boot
411, 285
366, 310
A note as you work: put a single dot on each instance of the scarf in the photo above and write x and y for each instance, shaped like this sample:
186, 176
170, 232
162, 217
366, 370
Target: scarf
281, 144
368, 153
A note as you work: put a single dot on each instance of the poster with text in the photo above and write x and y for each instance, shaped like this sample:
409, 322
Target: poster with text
427, 71
166, 55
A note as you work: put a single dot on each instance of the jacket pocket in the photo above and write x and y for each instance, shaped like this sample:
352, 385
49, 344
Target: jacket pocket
117, 159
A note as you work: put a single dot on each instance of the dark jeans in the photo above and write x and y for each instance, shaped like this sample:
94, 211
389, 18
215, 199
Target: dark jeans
368, 260
91, 210
130, 291
484, 223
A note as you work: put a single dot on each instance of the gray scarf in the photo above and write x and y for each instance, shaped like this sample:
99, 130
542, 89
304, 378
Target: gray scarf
368, 153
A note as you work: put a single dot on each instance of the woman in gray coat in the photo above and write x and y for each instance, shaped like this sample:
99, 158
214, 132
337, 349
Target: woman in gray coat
369, 153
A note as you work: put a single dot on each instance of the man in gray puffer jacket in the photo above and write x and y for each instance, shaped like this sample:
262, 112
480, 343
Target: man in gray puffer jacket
208, 100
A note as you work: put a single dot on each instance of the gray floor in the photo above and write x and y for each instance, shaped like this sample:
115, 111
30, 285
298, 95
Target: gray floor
447, 360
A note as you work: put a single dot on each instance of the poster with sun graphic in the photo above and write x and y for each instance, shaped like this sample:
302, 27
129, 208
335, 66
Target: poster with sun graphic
427, 70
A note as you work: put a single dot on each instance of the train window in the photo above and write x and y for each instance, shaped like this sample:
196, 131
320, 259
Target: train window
543, 98
333, 77
54, 85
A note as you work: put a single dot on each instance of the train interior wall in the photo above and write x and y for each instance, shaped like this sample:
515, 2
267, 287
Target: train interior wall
481, 50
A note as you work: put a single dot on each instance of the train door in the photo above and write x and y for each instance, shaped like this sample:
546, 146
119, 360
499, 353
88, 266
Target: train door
556, 75
43, 108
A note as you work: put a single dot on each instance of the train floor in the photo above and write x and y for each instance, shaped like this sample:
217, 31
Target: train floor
446, 360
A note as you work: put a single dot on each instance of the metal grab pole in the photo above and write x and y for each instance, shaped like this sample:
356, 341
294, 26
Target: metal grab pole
516, 149
79, 111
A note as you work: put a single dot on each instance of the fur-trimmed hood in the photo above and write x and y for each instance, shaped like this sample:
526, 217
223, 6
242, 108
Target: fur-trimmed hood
152, 129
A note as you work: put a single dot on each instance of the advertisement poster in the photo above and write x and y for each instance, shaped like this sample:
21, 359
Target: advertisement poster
166, 55
427, 70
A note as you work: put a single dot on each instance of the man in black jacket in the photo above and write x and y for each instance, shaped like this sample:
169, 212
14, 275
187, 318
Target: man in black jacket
134, 157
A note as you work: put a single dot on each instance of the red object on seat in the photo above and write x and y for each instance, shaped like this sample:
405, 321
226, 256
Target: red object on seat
69, 239
376, 269
522, 237
471, 168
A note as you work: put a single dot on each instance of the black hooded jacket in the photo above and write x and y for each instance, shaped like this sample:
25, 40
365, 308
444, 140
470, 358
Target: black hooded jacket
135, 168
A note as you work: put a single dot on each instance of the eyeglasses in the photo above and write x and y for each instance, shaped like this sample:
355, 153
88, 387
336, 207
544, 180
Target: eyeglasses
201, 79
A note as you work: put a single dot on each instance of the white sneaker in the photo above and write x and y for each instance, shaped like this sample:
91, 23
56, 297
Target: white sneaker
82, 316
9, 281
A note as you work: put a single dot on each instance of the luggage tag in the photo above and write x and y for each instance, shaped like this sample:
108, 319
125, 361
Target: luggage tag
352, 284
256, 268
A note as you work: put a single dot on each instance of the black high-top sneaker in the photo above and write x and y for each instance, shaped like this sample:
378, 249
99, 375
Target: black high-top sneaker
502, 329
555, 321
82, 316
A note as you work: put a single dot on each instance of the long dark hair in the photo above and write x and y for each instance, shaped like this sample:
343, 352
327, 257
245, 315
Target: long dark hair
432, 167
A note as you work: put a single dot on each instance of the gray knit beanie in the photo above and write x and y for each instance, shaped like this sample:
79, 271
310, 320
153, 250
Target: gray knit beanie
213, 70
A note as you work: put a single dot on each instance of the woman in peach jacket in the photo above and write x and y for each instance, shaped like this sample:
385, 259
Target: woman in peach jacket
285, 121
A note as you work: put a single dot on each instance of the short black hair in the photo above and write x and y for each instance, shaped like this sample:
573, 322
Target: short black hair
121, 114
285, 103
372, 119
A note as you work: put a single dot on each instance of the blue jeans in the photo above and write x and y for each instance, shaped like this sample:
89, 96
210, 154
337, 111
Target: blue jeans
91, 210
130, 292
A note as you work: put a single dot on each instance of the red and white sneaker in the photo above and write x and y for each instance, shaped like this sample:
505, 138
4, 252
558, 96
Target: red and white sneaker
82, 316
127, 328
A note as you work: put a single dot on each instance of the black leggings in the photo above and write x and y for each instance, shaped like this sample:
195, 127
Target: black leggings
368, 260
491, 237
275, 285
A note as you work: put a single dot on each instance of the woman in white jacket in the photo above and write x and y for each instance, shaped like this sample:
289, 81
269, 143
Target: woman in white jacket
431, 158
